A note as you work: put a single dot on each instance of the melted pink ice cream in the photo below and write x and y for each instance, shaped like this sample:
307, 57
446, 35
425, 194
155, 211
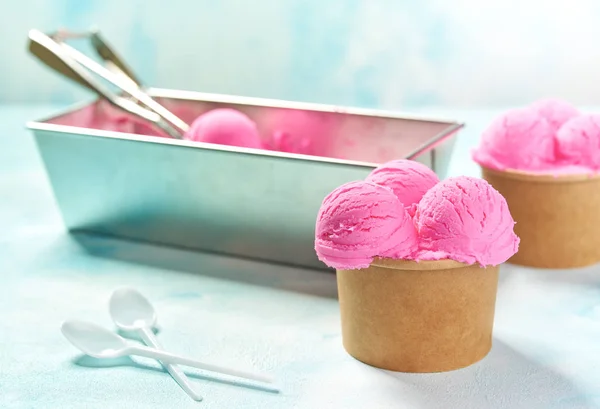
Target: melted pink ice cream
467, 220
518, 139
409, 180
359, 221
134, 125
225, 126
578, 142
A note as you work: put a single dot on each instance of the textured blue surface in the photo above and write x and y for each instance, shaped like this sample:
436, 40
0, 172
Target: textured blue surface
546, 352
376, 53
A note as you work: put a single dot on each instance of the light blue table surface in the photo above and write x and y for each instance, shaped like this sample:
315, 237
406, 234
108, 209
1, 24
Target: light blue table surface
285, 321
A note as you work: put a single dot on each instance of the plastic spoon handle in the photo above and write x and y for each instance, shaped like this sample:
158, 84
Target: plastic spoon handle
148, 337
181, 360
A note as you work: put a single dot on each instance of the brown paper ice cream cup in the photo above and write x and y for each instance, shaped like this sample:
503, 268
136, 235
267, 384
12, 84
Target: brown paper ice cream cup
430, 316
558, 218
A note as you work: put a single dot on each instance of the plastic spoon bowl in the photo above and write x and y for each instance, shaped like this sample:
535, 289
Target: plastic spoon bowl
131, 311
100, 342
96, 341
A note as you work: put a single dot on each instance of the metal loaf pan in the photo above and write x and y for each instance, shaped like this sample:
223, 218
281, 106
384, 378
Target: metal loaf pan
109, 179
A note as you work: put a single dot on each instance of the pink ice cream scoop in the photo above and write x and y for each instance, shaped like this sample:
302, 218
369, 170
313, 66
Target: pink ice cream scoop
578, 142
409, 180
467, 220
520, 139
555, 111
225, 126
282, 141
359, 221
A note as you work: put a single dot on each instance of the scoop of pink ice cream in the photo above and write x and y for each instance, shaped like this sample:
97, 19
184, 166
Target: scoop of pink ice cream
467, 220
225, 126
282, 141
302, 131
555, 111
359, 221
519, 139
409, 180
578, 142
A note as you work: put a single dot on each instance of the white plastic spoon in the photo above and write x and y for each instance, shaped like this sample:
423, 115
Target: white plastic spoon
131, 311
100, 342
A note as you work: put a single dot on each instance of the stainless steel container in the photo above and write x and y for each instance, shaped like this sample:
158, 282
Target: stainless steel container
236, 201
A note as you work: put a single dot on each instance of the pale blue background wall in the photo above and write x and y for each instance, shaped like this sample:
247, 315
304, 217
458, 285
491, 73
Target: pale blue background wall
383, 53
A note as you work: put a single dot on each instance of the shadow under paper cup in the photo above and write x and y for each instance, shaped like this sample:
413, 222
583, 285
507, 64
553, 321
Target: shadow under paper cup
430, 316
558, 217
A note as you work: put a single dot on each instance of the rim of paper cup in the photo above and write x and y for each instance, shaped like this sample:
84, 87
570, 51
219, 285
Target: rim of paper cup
396, 264
543, 177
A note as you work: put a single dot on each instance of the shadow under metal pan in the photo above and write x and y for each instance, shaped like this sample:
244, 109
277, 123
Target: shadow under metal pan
257, 204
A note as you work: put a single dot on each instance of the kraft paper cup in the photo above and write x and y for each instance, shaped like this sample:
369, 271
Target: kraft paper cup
558, 218
430, 316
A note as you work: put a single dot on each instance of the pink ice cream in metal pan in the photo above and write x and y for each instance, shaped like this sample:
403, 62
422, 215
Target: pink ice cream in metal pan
225, 126
170, 191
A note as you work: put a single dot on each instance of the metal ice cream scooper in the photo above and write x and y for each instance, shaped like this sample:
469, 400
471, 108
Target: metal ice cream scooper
53, 51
